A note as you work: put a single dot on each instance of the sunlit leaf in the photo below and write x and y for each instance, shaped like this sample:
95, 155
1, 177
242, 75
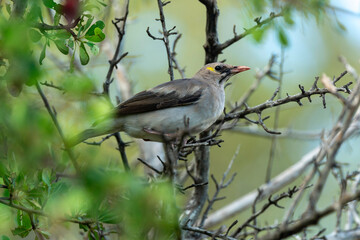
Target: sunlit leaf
91, 31
97, 37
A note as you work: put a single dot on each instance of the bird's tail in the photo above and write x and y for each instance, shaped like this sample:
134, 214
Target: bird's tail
88, 133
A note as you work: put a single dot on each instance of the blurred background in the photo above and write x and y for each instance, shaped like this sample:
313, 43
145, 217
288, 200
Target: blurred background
312, 45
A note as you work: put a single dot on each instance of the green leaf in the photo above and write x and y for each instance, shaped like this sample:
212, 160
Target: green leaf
60, 44
21, 231
35, 36
102, 3
84, 56
72, 62
8, 8
88, 23
34, 13
97, 37
3, 237
45, 176
71, 43
3, 170
258, 34
34, 203
42, 54
23, 219
83, 227
93, 48
7, 181
62, 34
45, 234
49, 3
91, 31
282, 37
57, 19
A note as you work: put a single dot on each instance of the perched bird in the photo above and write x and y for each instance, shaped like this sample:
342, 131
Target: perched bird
191, 104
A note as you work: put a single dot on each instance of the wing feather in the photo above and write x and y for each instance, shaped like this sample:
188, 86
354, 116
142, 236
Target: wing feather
166, 95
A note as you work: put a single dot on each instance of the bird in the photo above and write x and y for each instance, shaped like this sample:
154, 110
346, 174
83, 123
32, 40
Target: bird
190, 104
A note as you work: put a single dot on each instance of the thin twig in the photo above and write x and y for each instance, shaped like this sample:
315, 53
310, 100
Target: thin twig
276, 121
57, 125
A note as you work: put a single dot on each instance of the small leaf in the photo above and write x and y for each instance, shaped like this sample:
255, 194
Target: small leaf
42, 54
71, 43
72, 62
57, 19
98, 24
45, 176
83, 227
88, 23
8, 8
21, 231
282, 37
34, 203
84, 56
60, 44
93, 48
35, 36
46, 234
62, 34
3, 237
97, 37
49, 3
102, 3
258, 34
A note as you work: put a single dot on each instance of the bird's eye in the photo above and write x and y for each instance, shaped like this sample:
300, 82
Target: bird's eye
218, 68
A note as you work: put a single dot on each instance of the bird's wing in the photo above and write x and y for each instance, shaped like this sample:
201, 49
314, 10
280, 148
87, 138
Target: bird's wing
171, 94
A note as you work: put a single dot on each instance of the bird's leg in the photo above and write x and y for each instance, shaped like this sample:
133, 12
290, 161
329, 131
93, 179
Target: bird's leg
167, 136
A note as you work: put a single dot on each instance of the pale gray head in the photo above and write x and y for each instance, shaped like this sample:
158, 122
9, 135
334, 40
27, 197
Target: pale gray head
219, 72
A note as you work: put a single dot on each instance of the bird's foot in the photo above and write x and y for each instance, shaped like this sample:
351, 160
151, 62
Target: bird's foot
166, 136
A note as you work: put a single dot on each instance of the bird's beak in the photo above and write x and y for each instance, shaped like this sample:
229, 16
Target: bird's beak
237, 69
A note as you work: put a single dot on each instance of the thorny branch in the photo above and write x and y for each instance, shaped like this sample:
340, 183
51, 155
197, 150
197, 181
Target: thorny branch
171, 54
348, 124
119, 24
277, 93
219, 187
289, 98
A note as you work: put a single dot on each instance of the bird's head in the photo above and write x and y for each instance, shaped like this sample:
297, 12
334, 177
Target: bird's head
219, 72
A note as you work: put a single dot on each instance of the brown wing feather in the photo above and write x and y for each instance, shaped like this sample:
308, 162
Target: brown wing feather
147, 101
